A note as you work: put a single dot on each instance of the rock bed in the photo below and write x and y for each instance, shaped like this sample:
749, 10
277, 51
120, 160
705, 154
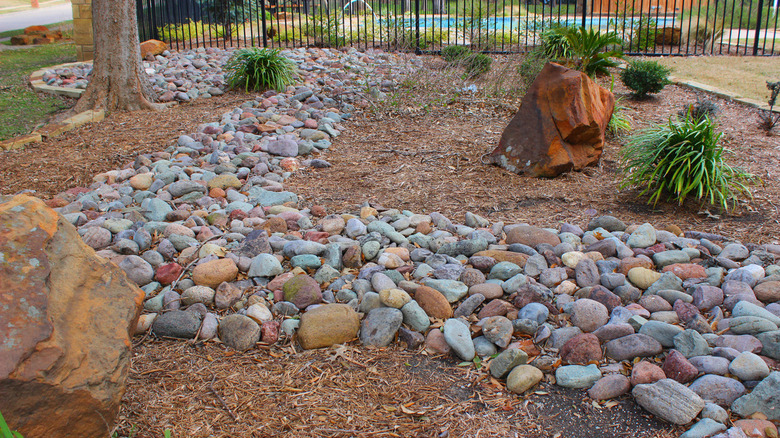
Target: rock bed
687, 322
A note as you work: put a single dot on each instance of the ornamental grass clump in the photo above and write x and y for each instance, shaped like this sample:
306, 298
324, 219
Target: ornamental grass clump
680, 159
259, 69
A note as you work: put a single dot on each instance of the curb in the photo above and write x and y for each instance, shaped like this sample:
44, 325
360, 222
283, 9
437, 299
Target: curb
698, 86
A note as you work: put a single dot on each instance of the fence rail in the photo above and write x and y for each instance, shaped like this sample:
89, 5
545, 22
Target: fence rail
647, 27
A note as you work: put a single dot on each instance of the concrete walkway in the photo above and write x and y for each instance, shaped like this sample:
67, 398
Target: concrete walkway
40, 16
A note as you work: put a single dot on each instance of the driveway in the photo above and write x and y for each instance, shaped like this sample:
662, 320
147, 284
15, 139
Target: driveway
42, 15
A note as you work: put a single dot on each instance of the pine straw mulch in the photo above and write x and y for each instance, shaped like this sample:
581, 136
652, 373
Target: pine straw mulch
207, 390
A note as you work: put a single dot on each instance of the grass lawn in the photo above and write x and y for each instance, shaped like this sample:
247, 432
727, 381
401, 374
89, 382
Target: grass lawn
23, 109
744, 75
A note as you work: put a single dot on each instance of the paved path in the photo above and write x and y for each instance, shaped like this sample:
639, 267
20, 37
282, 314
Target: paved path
43, 15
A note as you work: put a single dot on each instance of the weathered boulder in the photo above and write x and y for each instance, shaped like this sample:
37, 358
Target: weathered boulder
559, 127
66, 322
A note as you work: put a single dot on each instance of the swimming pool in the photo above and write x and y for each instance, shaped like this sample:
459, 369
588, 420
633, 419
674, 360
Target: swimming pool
521, 23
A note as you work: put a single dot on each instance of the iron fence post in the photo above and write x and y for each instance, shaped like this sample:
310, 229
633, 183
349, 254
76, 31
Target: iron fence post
758, 27
584, 11
417, 49
262, 20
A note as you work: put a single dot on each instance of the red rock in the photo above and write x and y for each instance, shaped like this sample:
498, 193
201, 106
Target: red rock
581, 349
55, 202
274, 225
277, 283
638, 310
686, 312
559, 127
604, 296
237, 215
216, 192
433, 302
168, 273
531, 236
504, 256
353, 257
35, 30
318, 211
494, 308
153, 48
317, 236
66, 324
686, 270
269, 332
677, 367
646, 372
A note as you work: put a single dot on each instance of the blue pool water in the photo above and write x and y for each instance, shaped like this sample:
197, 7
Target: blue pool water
515, 23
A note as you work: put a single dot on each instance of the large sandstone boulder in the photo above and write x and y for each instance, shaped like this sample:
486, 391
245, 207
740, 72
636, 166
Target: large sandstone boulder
66, 321
152, 48
559, 127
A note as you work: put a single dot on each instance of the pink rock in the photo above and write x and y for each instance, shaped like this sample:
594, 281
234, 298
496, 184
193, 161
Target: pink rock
638, 310
646, 372
494, 308
317, 236
686, 270
277, 283
269, 332
435, 342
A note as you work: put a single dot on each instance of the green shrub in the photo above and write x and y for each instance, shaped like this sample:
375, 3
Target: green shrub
288, 34
180, 32
454, 54
682, 158
532, 65
259, 69
477, 64
645, 77
327, 30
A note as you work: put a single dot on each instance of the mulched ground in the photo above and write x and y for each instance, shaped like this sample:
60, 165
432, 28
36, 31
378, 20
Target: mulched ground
420, 150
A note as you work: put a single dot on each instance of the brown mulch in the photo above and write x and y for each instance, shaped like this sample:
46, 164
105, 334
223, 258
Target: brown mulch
205, 390
421, 150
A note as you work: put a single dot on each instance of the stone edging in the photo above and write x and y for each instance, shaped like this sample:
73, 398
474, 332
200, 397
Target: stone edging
37, 83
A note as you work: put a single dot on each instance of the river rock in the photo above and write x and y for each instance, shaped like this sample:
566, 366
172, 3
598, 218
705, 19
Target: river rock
328, 325
669, 400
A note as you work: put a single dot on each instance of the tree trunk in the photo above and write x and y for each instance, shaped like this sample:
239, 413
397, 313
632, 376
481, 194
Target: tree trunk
118, 81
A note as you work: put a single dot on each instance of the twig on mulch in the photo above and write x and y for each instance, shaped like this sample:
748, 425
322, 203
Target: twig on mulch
222, 402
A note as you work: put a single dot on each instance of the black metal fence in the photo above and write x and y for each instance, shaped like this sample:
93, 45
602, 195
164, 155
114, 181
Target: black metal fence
650, 27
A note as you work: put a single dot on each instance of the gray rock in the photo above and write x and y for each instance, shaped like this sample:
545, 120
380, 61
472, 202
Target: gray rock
669, 400
577, 376
715, 412
632, 346
748, 366
666, 258
704, 428
710, 364
137, 269
560, 336
751, 325
589, 315
718, 389
691, 343
176, 324
380, 326
771, 343
746, 308
452, 290
239, 331
483, 347
642, 237
415, 317
534, 311
265, 265
764, 398
469, 305
503, 364
661, 332
458, 337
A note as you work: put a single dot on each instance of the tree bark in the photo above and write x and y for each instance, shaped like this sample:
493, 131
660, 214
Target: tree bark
118, 81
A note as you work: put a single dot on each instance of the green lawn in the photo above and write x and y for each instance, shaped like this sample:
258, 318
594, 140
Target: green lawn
23, 109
